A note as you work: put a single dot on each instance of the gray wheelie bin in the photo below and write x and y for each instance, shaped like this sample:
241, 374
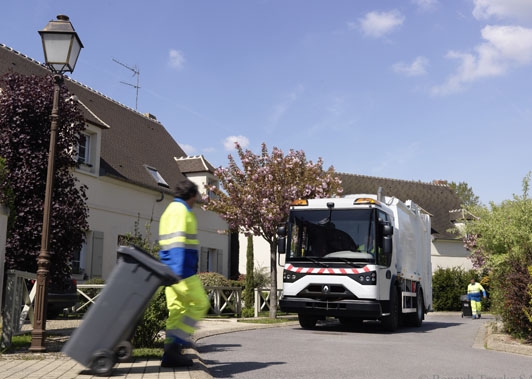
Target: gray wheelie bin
466, 306
103, 336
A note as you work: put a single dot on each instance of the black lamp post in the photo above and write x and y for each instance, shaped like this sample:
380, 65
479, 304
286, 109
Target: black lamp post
61, 46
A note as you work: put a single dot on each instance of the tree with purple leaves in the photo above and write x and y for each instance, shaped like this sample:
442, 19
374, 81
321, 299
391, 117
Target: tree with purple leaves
254, 198
25, 110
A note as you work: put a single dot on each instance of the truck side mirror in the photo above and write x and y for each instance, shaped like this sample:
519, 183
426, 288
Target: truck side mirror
387, 243
281, 239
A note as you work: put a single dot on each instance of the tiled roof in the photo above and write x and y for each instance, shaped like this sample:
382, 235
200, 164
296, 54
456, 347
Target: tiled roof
130, 140
195, 164
436, 199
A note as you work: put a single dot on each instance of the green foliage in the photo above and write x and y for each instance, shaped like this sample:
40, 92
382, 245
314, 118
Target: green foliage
448, 284
465, 193
249, 296
528, 309
213, 279
502, 237
152, 322
25, 110
512, 298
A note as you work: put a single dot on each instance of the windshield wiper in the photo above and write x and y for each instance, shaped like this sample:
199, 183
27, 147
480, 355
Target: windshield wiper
350, 263
316, 261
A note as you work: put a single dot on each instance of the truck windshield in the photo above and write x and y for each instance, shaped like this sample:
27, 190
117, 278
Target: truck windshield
332, 235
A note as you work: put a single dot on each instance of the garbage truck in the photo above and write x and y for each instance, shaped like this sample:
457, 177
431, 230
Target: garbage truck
355, 258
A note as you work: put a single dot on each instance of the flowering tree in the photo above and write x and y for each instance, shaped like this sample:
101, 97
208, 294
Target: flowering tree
255, 198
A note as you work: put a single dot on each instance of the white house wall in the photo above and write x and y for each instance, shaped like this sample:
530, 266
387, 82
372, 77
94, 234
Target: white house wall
115, 207
261, 255
449, 253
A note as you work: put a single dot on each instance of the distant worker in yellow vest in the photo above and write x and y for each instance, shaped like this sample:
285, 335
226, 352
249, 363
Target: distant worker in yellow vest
186, 300
474, 293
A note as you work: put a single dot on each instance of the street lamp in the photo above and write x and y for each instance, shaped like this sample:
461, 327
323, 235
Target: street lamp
61, 46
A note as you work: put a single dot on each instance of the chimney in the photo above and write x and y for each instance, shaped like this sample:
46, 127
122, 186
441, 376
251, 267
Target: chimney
440, 182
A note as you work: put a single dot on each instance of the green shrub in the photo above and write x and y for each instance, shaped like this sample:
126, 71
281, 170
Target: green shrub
448, 284
213, 279
153, 321
512, 298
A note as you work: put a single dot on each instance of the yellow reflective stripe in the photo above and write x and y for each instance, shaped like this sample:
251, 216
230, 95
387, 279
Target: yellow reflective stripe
173, 235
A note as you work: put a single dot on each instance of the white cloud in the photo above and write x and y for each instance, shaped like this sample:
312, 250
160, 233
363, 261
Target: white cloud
378, 24
417, 68
229, 142
280, 109
426, 5
505, 47
502, 9
188, 149
176, 59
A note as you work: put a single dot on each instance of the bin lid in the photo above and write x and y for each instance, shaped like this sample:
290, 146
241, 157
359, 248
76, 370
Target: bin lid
138, 254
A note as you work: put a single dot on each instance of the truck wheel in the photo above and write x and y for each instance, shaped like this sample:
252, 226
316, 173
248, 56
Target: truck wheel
391, 322
102, 362
306, 321
417, 318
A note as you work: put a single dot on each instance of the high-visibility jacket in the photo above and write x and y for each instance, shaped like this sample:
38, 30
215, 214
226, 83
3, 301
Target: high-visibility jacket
178, 239
474, 291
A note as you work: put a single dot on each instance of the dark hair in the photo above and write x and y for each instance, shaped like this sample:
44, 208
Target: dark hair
186, 189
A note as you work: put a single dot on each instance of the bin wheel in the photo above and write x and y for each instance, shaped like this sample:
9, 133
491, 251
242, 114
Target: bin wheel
102, 362
124, 351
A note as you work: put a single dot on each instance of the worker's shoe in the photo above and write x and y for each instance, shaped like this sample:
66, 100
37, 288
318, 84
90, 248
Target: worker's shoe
173, 357
479, 315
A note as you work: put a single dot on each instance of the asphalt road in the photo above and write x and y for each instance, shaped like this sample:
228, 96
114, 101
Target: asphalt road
444, 347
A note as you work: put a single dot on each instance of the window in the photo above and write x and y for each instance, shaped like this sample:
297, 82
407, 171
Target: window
157, 176
78, 258
84, 149
211, 183
210, 260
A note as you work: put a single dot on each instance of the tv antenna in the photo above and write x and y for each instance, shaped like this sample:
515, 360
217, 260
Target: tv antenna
136, 73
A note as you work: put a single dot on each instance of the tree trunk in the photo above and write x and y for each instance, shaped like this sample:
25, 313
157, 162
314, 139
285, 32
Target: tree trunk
273, 273
249, 297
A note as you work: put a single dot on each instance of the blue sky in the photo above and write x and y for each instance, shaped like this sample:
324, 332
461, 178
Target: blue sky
411, 89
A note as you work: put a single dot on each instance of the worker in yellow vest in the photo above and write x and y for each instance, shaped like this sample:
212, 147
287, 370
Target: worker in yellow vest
474, 293
186, 300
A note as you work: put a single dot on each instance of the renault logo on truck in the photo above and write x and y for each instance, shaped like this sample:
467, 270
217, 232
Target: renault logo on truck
325, 289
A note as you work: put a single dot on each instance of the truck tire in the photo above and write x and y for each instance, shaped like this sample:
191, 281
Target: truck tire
416, 319
391, 322
307, 321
